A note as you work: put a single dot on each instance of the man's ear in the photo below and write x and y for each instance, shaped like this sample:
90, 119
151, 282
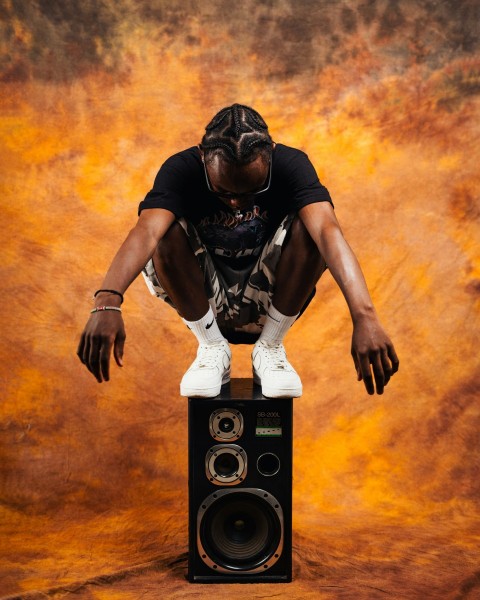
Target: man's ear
200, 149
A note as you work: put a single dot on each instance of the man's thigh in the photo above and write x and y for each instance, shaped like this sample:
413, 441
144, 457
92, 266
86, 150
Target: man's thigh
239, 297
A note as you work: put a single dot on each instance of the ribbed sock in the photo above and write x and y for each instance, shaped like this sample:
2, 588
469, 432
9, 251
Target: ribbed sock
205, 329
276, 326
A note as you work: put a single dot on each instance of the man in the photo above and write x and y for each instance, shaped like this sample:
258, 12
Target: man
234, 235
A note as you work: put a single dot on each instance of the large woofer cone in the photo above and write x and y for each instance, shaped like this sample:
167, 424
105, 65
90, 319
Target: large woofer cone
240, 530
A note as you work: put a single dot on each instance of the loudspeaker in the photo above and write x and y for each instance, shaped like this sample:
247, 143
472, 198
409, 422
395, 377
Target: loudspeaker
240, 486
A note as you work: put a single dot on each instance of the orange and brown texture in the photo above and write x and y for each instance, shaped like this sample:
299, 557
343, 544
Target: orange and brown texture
383, 95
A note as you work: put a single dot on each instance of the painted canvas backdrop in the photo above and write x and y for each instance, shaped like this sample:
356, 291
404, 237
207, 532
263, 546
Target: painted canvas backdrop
383, 96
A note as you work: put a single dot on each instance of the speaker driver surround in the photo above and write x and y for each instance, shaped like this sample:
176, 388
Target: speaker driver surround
240, 530
226, 464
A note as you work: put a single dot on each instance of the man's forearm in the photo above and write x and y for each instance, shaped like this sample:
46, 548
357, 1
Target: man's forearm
372, 350
323, 227
128, 262
136, 250
346, 271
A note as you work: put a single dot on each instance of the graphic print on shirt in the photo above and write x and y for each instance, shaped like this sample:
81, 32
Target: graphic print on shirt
234, 235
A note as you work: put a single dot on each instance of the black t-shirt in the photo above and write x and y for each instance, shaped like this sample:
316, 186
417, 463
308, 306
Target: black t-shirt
180, 187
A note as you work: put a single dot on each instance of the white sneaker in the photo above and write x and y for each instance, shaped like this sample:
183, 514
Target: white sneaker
208, 372
273, 372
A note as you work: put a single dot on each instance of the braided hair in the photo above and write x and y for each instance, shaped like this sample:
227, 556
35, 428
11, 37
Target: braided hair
237, 134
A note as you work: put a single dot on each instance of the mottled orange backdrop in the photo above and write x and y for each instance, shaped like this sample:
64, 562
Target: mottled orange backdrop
383, 96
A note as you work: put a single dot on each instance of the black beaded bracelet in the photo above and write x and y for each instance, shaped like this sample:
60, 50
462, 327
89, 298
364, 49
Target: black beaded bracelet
110, 292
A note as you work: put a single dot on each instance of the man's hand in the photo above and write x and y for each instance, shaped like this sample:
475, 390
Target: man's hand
372, 351
103, 330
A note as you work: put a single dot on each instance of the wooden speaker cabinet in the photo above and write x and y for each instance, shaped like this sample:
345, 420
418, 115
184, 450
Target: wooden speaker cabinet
240, 486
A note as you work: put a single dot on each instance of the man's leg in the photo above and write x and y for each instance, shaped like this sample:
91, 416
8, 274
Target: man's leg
179, 274
299, 268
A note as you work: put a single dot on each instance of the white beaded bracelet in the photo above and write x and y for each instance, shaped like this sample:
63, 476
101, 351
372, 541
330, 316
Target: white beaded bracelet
101, 308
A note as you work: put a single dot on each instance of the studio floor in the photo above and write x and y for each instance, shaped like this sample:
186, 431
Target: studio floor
365, 558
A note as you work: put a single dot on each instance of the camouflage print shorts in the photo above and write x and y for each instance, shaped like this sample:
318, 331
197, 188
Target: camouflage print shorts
239, 297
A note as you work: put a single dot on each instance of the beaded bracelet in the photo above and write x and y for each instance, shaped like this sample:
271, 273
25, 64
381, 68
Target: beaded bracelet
102, 308
115, 292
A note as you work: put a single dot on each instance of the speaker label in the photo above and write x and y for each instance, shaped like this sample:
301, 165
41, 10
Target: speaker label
268, 432
269, 424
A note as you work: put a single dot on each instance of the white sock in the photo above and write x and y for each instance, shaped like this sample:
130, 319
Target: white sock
276, 326
205, 329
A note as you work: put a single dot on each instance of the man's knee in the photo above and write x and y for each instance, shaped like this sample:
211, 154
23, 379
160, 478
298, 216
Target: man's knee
171, 237
171, 247
302, 243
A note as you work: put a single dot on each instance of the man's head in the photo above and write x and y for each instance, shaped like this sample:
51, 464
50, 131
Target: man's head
237, 134
237, 150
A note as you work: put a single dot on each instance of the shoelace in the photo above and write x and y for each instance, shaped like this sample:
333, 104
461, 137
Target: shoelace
210, 355
276, 357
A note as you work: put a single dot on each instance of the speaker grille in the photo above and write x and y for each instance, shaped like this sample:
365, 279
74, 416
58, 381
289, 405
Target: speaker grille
240, 530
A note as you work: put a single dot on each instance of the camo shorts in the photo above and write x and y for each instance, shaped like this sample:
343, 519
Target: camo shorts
239, 298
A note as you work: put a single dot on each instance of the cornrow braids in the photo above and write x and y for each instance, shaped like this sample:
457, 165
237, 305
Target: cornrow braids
238, 134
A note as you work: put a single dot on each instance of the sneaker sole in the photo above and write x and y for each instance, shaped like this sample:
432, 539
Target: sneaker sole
210, 392
270, 392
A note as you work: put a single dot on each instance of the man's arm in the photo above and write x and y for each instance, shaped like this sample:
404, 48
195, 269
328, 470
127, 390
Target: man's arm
372, 349
105, 329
